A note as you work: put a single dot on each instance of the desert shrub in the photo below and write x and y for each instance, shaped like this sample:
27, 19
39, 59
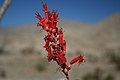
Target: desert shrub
97, 75
41, 66
1, 50
3, 44
28, 50
114, 57
109, 77
92, 58
78, 52
2, 73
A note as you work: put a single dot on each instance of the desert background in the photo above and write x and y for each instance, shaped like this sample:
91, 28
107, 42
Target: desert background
22, 56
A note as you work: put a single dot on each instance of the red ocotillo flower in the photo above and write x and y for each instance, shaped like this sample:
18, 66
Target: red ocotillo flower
55, 44
78, 59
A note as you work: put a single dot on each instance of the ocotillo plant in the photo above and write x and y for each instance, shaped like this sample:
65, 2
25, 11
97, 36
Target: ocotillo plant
55, 43
4, 8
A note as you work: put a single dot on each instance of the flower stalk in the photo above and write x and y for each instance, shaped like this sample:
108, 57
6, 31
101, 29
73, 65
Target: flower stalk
55, 43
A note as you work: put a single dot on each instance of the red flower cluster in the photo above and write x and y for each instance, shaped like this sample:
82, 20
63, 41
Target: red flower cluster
55, 43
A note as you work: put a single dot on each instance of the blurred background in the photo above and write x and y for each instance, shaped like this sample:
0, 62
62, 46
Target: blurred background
91, 27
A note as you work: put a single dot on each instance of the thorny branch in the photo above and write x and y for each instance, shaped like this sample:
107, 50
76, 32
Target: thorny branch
4, 8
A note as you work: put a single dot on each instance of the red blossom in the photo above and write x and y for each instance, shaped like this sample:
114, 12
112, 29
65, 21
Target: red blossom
44, 7
55, 44
61, 59
78, 59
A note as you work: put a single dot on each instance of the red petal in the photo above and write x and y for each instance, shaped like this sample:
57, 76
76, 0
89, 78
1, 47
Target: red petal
37, 15
62, 58
47, 44
45, 8
60, 38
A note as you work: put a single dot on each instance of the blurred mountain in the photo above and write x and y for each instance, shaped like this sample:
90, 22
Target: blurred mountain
104, 34
109, 30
